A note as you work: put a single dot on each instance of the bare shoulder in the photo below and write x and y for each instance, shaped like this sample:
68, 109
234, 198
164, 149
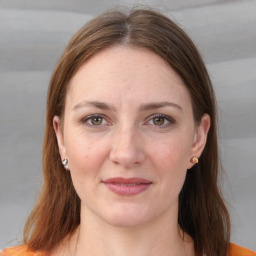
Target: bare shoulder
236, 250
20, 250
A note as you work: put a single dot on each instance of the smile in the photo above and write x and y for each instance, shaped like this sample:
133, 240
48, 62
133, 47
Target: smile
127, 187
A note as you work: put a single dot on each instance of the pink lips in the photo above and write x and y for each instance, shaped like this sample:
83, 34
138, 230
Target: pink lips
127, 187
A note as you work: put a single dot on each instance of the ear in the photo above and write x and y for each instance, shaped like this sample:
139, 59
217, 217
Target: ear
200, 138
60, 137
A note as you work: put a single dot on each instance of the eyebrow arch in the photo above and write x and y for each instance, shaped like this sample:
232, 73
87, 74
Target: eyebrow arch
94, 104
156, 105
143, 107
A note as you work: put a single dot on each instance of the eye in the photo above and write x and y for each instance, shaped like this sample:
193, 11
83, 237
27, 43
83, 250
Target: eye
161, 120
95, 120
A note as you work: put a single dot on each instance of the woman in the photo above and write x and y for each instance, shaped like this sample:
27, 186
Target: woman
130, 155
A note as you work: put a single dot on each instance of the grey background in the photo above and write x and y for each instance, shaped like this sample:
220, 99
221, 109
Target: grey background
34, 33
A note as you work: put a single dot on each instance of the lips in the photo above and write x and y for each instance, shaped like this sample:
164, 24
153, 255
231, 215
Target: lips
127, 187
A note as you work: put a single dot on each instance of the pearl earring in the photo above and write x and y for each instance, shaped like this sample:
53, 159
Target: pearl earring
64, 163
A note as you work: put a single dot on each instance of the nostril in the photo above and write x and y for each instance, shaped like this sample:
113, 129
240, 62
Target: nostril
116, 162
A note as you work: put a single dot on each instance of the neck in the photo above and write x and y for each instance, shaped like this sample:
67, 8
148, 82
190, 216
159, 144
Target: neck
96, 237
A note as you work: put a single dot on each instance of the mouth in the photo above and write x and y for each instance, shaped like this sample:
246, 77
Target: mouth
127, 187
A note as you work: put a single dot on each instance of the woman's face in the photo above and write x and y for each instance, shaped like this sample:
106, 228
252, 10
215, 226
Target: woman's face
129, 135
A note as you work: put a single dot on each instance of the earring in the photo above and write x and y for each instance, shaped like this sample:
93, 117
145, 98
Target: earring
194, 160
64, 163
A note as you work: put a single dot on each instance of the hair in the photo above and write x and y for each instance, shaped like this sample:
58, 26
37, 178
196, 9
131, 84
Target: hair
202, 212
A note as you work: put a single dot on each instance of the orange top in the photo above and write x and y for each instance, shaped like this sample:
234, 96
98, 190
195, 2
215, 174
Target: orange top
236, 250
22, 250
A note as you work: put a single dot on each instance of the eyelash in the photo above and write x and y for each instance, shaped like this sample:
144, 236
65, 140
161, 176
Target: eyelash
169, 119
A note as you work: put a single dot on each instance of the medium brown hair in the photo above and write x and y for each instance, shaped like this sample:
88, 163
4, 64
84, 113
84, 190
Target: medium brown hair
202, 212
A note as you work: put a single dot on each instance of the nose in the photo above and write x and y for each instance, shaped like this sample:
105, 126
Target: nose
127, 148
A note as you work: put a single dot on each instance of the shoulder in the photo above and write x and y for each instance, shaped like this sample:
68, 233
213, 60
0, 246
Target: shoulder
20, 250
236, 250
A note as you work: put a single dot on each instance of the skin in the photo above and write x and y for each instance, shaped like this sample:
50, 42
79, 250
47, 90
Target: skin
127, 139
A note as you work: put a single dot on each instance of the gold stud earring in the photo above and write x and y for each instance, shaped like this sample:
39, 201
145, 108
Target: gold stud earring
194, 160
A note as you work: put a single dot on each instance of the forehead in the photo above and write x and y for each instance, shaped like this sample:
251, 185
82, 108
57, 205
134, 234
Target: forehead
137, 74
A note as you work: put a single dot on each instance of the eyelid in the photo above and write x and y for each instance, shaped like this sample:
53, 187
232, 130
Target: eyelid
164, 116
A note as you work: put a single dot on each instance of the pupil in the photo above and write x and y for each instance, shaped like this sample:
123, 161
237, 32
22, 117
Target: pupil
97, 120
158, 121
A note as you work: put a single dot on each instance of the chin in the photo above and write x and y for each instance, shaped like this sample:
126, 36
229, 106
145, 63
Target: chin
125, 222
127, 217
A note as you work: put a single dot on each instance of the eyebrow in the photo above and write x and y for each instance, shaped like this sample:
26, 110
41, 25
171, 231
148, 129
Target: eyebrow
94, 104
151, 106
143, 107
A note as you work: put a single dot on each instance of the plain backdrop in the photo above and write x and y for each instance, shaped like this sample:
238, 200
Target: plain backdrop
33, 35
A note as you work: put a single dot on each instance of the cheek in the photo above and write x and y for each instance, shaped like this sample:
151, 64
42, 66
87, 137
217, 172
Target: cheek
86, 159
173, 152
170, 160
85, 155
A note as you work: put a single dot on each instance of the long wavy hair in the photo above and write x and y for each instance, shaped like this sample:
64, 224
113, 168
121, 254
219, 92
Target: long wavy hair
202, 211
